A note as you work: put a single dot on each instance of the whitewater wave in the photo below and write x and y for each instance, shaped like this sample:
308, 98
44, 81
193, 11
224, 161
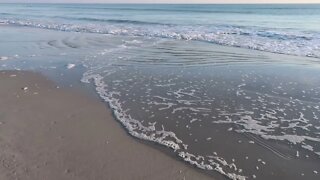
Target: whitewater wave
280, 41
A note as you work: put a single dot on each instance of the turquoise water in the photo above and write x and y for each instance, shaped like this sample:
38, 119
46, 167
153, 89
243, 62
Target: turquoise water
233, 90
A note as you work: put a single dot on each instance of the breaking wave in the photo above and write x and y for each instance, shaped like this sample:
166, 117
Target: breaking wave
281, 41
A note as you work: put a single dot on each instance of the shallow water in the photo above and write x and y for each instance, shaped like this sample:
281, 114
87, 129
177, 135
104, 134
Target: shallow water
233, 111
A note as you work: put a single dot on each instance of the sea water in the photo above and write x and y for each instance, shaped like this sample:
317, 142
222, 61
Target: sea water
231, 89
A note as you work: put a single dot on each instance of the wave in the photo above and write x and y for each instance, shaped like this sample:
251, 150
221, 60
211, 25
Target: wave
280, 41
116, 21
112, 87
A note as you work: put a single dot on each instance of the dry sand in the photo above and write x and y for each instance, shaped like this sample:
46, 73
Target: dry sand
48, 133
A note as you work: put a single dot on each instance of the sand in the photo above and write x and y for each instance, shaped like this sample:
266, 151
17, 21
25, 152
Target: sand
50, 133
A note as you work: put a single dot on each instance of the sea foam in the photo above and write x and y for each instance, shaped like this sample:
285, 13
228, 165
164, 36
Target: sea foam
298, 43
3, 58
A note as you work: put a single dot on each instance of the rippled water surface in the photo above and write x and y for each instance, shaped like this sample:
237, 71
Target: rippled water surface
231, 89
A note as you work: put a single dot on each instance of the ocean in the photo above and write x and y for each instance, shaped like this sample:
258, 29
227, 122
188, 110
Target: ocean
233, 90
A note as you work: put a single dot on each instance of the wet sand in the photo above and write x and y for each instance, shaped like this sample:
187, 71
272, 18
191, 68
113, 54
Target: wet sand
53, 133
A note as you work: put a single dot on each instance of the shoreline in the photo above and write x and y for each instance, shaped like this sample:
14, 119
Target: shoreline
56, 133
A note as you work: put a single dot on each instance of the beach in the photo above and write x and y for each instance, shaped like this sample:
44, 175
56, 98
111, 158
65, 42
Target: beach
57, 133
144, 91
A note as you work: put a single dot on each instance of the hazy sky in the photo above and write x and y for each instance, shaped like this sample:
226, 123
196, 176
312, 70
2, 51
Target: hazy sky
164, 1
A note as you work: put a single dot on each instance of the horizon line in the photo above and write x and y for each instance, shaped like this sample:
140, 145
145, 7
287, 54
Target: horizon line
264, 3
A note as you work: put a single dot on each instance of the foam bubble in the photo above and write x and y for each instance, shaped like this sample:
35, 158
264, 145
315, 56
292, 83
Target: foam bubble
71, 66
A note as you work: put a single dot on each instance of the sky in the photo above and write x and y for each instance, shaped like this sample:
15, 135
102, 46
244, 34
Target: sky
161, 1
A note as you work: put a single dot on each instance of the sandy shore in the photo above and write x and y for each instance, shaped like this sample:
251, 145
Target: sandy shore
60, 134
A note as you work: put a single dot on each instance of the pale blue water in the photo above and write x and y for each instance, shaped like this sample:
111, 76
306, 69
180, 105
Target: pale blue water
233, 90
287, 29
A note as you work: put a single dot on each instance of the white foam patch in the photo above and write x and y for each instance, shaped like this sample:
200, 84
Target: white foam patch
3, 58
308, 147
213, 163
175, 110
71, 66
133, 42
194, 120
